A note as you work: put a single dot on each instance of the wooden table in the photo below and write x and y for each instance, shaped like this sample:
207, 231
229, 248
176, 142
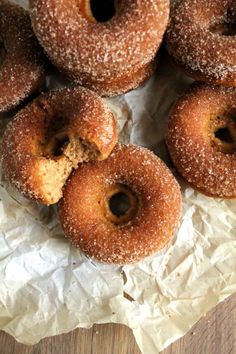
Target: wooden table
214, 334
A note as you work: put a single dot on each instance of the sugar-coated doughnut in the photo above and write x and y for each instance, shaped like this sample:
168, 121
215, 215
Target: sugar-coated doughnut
202, 139
51, 136
108, 55
116, 233
201, 38
120, 84
21, 65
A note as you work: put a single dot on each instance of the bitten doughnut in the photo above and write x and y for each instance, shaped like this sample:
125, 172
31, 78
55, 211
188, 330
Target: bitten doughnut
202, 139
21, 65
122, 209
107, 46
51, 136
201, 38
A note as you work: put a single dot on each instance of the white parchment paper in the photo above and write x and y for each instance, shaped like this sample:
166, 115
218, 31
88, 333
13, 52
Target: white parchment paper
47, 287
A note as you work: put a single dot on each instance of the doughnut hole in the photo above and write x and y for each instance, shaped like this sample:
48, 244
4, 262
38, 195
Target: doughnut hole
57, 145
224, 29
120, 204
65, 145
102, 10
228, 27
3, 54
223, 133
98, 10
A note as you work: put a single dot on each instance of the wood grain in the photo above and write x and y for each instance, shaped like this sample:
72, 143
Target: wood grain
214, 334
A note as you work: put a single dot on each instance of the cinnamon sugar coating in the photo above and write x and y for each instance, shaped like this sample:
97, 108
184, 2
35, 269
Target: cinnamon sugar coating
148, 225
201, 38
120, 84
51, 136
21, 67
100, 55
201, 139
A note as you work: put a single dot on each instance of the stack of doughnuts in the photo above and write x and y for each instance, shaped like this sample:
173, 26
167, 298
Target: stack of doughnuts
117, 203
201, 138
21, 62
70, 133
201, 39
110, 49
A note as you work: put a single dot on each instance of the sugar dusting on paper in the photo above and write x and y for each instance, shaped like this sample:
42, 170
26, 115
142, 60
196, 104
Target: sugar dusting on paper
48, 287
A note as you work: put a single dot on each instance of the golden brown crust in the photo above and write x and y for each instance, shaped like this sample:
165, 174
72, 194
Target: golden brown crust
155, 201
201, 39
201, 139
101, 52
22, 71
120, 84
77, 120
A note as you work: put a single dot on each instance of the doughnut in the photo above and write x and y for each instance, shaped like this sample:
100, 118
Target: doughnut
122, 209
21, 65
120, 84
108, 46
51, 136
201, 39
201, 139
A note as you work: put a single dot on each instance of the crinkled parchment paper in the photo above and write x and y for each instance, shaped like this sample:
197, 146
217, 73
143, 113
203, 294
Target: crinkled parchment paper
47, 287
